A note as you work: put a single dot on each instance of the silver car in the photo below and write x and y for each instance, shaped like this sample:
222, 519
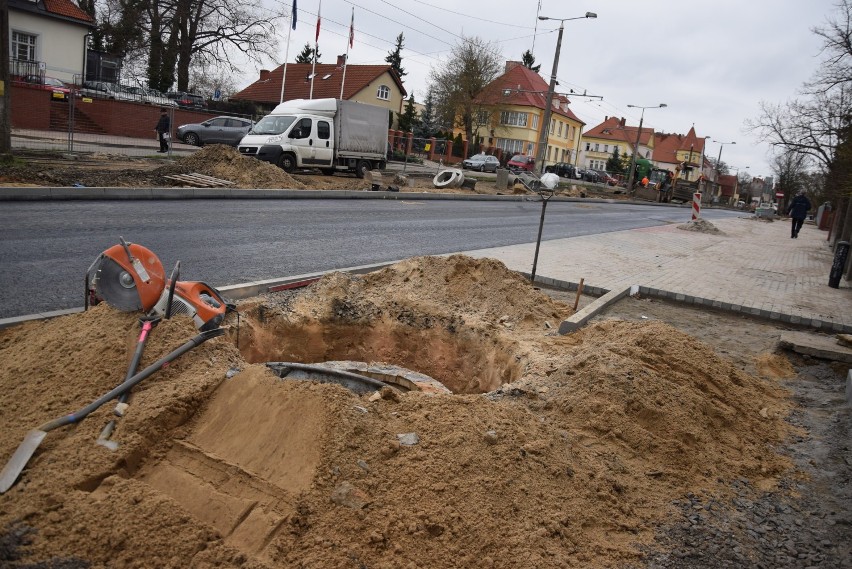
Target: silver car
481, 162
218, 130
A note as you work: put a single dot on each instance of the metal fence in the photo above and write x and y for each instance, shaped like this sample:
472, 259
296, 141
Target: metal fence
76, 119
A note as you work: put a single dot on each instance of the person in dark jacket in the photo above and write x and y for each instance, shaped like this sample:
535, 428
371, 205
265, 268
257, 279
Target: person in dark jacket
798, 210
162, 129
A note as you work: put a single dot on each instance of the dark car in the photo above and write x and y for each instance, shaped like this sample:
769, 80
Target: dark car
187, 100
563, 169
218, 130
520, 162
481, 162
590, 175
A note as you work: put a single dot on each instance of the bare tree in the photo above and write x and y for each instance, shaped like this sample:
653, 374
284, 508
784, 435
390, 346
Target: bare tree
458, 84
836, 70
790, 168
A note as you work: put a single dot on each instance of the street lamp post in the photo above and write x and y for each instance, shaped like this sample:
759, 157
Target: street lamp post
548, 103
636, 146
719, 160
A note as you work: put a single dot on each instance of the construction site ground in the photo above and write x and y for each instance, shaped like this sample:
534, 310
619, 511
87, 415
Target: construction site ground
223, 162
660, 435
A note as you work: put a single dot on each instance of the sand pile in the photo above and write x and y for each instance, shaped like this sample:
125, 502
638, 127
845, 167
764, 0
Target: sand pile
573, 464
227, 163
702, 226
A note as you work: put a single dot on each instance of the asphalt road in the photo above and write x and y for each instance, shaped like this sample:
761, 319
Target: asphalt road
46, 247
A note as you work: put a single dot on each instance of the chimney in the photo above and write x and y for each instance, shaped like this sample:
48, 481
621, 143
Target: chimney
511, 65
622, 122
341, 59
264, 74
606, 118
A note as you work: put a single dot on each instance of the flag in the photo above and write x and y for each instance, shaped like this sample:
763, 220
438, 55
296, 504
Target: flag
293, 16
352, 28
318, 21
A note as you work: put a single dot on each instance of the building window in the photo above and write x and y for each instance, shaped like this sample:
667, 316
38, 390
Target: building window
606, 147
588, 146
23, 46
510, 146
512, 118
597, 147
535, 122
559, 129
383, 93
482, 117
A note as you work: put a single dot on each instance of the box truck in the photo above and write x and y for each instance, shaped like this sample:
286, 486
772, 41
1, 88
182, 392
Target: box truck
331, 135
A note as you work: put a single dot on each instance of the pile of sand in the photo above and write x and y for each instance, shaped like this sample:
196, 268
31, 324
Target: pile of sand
573, 464
702, 226
225, 162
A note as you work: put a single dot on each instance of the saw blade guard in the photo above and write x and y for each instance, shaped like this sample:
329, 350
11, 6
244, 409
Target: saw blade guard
195, 299
128, 277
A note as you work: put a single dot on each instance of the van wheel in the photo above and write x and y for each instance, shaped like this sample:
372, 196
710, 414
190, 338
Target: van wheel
287, 162
362, 168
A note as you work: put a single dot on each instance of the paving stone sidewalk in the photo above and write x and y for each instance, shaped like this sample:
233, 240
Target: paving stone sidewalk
752, 267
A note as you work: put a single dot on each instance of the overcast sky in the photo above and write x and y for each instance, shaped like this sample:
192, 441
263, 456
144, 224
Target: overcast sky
710, 61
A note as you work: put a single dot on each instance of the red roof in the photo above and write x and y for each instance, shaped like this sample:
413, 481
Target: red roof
616, 129
68, 9
527, 89
267, 89
666, 147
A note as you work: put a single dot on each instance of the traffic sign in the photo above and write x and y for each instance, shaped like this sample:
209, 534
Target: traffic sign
779, 194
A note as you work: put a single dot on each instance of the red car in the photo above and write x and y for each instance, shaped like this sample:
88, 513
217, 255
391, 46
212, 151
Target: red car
521, 162
57, 87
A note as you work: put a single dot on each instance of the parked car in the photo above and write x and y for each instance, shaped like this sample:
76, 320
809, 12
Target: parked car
105, 90
607, 178
520, 162
563, 169
57, 87
481, 162
150, 97
590, 175
218, 130
187, 100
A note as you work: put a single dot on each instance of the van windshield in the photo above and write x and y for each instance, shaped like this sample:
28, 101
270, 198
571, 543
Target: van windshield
273, 124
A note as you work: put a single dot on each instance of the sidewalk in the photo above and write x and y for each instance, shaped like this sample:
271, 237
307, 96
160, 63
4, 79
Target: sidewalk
753, 268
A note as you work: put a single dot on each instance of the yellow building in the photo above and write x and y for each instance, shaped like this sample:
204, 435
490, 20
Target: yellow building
511, 112
599, 143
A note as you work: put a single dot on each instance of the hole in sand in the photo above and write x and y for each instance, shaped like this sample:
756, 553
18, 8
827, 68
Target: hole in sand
463, 362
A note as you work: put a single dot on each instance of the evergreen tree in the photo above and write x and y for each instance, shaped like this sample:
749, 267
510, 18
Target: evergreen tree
395, 57
426, 126
614, 164
307, 55
407, 120
529, 61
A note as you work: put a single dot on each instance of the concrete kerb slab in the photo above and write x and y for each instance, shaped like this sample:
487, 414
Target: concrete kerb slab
579, 319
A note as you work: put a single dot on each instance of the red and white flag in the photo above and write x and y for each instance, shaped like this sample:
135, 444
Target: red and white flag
352, 29
319, 18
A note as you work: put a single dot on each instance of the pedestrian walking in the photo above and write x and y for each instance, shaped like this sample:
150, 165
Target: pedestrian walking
798, 210
162, 129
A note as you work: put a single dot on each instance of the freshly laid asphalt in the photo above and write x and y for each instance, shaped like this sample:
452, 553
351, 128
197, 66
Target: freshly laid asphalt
753, 267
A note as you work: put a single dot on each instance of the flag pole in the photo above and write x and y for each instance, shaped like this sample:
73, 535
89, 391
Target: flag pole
287, 50
316, 49
348, 45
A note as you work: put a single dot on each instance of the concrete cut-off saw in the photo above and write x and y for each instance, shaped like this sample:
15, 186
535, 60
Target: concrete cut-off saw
130, 277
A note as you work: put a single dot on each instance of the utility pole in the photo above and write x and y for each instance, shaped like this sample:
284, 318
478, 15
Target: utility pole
636, 146
5, 86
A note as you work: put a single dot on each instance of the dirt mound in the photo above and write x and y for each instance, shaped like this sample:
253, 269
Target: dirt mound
227, 163
571, 464
701, 226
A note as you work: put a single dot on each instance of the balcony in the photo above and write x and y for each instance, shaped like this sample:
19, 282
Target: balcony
22, 68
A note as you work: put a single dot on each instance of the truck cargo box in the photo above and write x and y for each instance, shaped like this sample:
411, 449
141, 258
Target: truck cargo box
361, 128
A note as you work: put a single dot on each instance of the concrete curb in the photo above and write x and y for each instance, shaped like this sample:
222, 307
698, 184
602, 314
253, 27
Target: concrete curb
579, 319
699, 302
66, 193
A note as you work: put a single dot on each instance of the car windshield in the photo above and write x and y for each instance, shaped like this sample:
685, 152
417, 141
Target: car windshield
273, 124
53, 82
518, 158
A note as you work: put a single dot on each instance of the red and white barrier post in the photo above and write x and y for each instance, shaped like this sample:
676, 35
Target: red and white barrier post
696, 206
